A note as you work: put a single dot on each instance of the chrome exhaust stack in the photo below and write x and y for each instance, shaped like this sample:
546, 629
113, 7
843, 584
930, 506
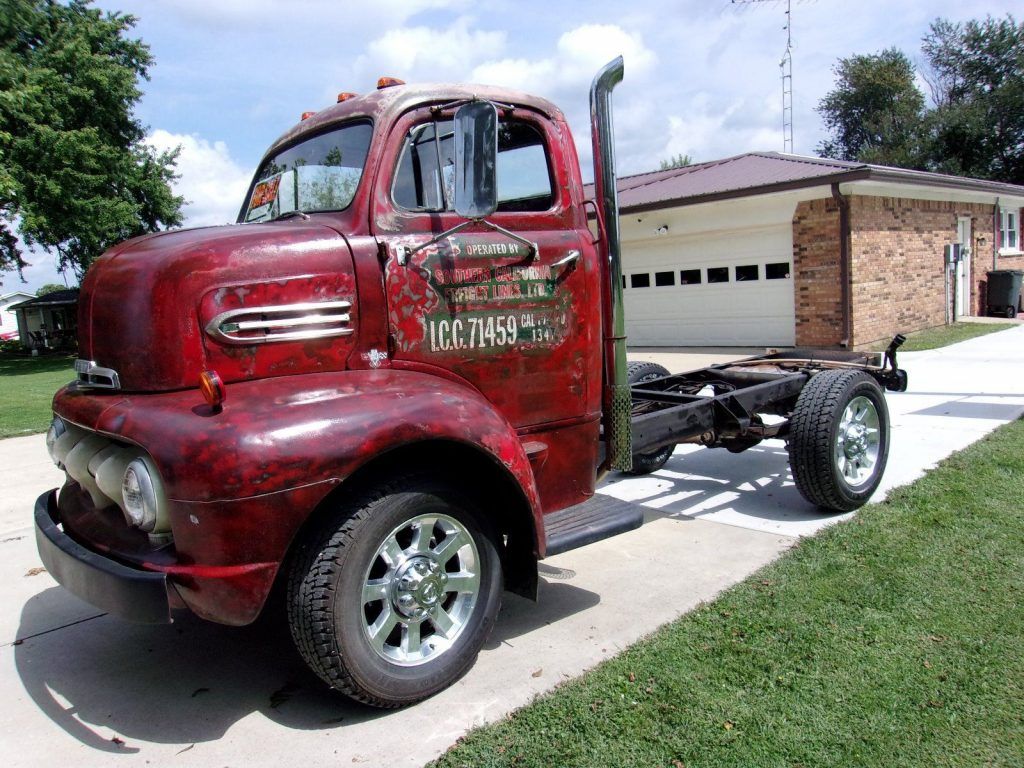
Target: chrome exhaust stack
617, 399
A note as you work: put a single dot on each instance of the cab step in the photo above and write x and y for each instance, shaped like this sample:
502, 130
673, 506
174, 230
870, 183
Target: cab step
597, 518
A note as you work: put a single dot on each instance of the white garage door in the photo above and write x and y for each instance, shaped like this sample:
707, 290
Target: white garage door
713, 289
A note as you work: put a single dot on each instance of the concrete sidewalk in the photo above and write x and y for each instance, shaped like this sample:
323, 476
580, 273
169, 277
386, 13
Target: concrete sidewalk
81, 687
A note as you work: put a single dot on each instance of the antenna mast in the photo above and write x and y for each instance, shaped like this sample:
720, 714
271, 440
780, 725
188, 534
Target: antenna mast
786, 69
786, 66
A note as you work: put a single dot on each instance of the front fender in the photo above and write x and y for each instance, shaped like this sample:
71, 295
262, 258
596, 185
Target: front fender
242, 481
278, 434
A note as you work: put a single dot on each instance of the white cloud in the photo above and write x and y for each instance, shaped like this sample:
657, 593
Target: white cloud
431, 53
579, 53
212, 183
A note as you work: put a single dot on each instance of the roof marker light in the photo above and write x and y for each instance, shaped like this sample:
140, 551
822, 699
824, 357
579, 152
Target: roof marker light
388, 82
345, 96
307, 115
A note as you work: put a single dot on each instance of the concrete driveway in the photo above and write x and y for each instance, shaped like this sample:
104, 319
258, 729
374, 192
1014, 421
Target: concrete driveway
82, 688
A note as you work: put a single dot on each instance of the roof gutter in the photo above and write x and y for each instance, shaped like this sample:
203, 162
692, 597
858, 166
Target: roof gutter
844, 261
995, 234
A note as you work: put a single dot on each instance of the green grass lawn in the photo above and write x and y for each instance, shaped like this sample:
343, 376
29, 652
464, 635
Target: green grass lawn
894, 639
27, 385
944, 335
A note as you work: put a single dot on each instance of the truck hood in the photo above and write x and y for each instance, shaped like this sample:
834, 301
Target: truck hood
147, 305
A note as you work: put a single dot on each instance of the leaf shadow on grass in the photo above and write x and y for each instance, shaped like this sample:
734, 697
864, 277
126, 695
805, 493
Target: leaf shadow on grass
26, 366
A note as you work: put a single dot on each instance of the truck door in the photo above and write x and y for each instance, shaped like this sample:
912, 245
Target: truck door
520, 327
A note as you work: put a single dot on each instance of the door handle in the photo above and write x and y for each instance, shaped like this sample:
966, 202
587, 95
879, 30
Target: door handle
569, 258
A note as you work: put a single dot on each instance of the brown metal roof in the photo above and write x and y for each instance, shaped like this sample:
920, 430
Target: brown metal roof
762, 172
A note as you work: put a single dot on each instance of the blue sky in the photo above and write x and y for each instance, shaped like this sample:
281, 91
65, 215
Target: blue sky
702, 76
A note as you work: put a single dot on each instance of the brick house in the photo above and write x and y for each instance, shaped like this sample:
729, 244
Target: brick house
783, 250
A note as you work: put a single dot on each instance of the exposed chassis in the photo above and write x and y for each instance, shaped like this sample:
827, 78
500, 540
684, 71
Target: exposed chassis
722, 405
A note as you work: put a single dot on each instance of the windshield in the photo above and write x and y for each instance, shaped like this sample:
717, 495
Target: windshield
318, 174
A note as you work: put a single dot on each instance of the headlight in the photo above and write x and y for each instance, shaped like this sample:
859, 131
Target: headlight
142, 497
57, 428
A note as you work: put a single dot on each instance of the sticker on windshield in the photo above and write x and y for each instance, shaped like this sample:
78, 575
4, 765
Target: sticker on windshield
263, 197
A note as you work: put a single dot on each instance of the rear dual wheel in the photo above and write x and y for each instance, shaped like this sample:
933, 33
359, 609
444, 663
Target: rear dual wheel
394, 598
645, 463
839, 439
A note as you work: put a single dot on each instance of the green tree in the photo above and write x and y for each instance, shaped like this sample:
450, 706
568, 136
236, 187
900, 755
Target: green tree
75, 174
874, 113
676, 161
976, 74
50, 288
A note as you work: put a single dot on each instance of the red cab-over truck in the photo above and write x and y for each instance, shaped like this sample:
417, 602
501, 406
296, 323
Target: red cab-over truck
393, 387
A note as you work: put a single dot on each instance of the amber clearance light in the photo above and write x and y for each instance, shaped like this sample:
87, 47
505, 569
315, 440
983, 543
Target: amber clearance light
213, 388
345, 96
388, 82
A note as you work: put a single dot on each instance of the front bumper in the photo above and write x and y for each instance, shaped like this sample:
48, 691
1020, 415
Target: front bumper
128, 593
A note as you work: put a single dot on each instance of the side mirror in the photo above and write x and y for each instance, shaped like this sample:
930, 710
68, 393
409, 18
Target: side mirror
476, 160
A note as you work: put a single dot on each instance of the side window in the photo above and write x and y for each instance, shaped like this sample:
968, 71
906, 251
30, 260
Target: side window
426, 170
425, 176
524, 176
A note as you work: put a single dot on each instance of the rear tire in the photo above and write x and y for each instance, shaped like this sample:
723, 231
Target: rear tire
645, 463
391, 601
839, 439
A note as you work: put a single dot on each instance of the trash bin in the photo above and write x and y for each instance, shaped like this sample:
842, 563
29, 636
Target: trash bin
1004, 291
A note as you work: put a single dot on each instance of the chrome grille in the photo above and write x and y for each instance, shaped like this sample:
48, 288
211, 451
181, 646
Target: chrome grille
286, 322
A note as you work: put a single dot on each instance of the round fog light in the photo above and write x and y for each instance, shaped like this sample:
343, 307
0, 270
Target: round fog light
139, 495
57, 428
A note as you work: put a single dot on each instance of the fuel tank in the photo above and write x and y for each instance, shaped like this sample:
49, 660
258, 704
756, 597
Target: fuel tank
249, 301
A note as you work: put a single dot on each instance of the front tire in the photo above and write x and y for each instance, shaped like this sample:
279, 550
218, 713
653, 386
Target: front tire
394, 598
839, 439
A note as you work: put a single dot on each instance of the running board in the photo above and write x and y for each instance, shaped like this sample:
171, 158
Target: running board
598, 518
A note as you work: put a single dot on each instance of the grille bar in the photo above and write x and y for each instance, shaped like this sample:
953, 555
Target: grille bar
285, 322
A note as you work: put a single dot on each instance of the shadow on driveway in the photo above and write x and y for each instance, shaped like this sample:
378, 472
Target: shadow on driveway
190, 681
755, 485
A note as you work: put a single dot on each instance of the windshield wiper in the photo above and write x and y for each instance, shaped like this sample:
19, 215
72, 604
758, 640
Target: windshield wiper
290, 214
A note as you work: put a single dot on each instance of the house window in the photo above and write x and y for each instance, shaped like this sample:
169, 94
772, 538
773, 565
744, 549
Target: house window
1009, 233
689, 277
640, 280
746, 272
661, 279
718, 274
778, 270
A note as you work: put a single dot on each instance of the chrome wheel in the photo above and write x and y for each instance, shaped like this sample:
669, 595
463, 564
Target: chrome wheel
858, 440
420, 589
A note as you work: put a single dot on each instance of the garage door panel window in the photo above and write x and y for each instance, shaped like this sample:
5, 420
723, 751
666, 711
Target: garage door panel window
747, 272
718, 274
689, 277
778, 270
664, 279
640, 280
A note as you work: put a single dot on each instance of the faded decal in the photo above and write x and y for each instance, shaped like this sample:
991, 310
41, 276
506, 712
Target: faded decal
467, 296
490, 330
